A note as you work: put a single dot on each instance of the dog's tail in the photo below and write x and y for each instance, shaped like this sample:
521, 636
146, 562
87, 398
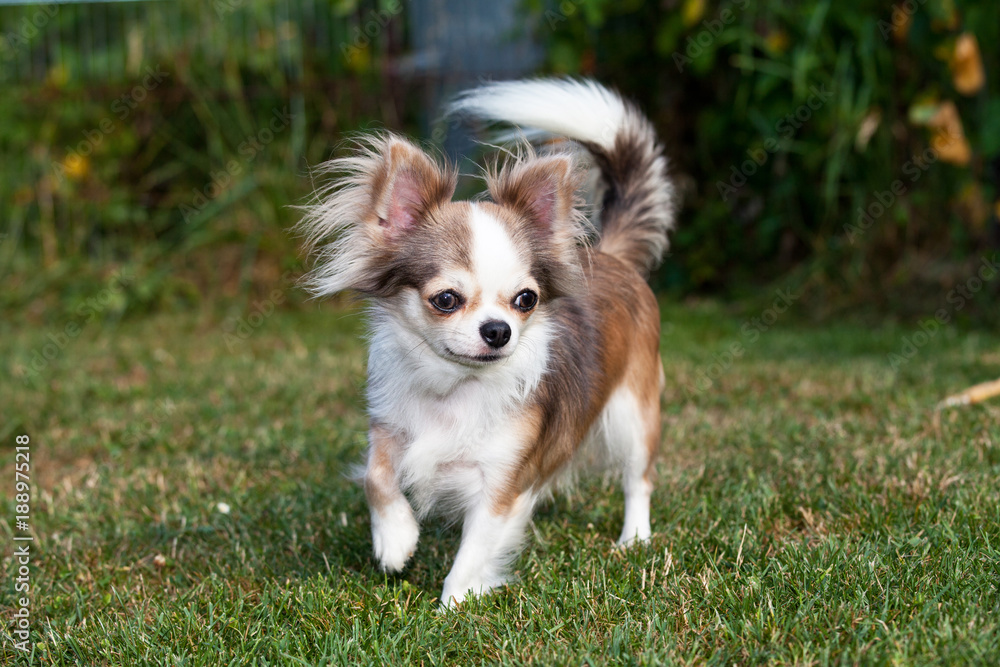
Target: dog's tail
639, 202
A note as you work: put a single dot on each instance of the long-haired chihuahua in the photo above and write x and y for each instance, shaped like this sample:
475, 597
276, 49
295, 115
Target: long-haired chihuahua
505, 336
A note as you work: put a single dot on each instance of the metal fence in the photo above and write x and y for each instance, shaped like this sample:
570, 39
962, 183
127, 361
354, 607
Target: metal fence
423, 51
449, 40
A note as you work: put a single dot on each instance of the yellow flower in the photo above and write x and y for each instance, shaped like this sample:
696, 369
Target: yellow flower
359, 58
692, 11
76, 166
57, 76
777, 41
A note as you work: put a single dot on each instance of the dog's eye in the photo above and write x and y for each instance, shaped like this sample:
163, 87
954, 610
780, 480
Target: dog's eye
446, 301
525, 301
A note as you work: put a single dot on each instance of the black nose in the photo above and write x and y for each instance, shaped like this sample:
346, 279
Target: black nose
496, 333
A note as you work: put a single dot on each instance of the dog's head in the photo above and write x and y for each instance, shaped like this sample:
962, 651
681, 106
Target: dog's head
466, 277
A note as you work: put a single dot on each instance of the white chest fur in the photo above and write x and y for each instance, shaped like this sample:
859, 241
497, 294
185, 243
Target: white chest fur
463, 437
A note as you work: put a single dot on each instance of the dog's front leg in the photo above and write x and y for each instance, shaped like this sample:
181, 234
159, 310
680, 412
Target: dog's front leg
394, 528
491, 539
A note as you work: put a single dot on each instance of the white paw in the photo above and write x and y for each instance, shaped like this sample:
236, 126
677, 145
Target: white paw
632, 536
451, 600
394, 534
453, 594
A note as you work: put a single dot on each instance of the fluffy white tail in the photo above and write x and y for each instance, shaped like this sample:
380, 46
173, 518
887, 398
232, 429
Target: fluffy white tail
639, 203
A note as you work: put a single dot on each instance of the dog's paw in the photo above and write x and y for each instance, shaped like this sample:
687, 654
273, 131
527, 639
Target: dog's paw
452, 596
455, 593
394, 534
634, 538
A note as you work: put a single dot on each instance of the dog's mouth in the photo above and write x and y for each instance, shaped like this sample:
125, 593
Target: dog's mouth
474, 360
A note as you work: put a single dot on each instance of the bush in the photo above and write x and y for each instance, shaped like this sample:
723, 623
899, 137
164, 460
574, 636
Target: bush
810, 140
810, 137
181, 154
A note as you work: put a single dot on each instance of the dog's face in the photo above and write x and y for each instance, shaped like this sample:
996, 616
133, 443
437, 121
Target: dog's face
483, 292
468, 278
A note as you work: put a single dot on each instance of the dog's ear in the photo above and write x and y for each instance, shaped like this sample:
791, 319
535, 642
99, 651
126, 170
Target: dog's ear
405, 184
542, 192
377, 196
541, 189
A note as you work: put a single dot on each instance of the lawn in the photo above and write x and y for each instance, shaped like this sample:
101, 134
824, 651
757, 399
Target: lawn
190, 505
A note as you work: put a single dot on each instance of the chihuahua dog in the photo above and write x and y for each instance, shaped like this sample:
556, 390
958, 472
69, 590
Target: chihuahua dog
502, 337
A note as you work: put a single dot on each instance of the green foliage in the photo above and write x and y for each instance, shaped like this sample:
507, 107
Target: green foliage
182, 154
784, 120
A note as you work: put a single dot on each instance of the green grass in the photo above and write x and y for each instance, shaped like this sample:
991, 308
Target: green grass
809, 510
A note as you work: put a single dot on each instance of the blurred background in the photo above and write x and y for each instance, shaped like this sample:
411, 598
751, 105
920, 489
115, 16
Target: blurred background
850, 150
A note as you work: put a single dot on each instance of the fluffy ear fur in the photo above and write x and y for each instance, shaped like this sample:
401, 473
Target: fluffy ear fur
378, 196
542, 191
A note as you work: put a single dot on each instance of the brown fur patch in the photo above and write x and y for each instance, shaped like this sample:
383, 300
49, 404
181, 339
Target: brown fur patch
441, 237
608, 336
528, 426
381, 487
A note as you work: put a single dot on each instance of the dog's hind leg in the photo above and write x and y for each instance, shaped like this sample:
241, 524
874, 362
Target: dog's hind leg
631, 428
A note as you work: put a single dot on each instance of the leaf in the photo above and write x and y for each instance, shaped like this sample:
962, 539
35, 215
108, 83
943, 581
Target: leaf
967, 65
948, 137
901, 22
977, 394
869, 124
